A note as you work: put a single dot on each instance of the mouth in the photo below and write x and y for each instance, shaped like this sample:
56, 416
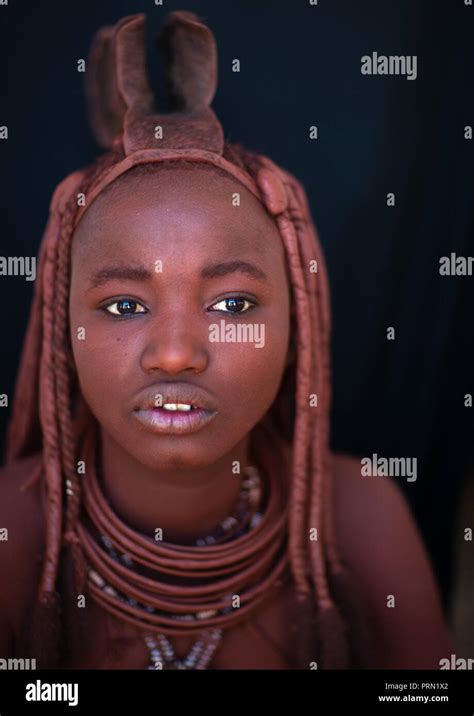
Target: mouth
168, 413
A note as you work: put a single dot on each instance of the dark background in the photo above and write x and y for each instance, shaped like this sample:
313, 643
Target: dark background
300, 66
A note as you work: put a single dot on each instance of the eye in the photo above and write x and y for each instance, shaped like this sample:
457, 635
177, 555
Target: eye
124, 307
233, 304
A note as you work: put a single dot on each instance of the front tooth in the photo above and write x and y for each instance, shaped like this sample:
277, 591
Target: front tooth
176, 406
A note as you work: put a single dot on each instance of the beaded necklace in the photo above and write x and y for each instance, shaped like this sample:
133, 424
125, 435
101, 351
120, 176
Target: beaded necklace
194, 587
245, 517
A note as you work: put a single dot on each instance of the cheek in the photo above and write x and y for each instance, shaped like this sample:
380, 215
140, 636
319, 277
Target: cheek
103, 363
252, 373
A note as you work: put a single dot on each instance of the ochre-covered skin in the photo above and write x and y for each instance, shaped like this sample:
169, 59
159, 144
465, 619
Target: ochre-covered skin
394, 557
165, 191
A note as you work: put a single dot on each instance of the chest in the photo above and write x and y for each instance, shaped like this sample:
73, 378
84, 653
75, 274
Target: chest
265, 640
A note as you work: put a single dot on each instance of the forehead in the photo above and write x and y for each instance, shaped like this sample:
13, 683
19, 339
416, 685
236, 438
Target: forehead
174, 210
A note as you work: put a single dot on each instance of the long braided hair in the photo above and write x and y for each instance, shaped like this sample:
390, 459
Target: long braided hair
50, 415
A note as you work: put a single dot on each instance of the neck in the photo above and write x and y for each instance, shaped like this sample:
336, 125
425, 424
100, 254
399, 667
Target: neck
184, 503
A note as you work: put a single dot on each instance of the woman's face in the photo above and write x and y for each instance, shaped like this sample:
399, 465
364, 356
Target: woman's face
178, 296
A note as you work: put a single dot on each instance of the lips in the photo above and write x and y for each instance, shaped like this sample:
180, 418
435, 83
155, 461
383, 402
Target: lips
174, 409
178, 393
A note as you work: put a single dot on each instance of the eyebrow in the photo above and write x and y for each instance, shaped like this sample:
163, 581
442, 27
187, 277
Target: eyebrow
140, 273
223, 269
111, 273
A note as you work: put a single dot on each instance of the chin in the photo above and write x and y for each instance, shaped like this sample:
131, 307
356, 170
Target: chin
166, 457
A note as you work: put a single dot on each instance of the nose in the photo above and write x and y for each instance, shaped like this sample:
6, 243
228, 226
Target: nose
174, 347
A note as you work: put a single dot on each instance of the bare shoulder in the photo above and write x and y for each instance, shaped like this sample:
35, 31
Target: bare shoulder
376, 502
382, 546
21, 540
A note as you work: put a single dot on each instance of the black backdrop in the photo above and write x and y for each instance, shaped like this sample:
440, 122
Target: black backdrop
300, 66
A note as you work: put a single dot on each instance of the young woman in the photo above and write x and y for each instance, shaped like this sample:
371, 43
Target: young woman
169, 493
